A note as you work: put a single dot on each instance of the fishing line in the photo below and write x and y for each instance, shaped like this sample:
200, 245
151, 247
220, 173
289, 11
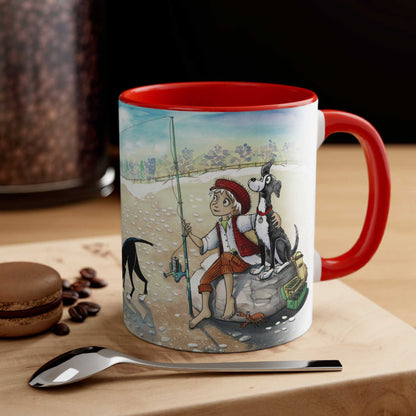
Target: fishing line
142, 122
173, 188
174, 192
174, 265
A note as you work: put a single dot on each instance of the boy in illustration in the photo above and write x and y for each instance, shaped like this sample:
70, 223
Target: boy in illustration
230, 202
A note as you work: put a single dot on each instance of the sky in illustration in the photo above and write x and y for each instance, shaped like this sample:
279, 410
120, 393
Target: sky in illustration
144, 132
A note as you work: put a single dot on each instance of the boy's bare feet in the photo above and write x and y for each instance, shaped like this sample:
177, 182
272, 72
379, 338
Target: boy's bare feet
229, 310
204, 314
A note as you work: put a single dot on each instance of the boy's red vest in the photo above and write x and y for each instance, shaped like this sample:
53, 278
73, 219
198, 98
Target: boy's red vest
245, 246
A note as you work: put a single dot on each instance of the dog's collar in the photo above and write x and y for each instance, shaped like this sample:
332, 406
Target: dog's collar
264, 213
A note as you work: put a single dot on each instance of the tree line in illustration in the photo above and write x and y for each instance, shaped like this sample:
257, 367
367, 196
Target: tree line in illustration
216, 158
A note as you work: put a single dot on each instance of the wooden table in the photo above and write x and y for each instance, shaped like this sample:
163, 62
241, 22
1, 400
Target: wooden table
377, 351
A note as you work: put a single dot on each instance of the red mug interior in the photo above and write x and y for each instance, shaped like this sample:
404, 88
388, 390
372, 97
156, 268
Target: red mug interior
218, 96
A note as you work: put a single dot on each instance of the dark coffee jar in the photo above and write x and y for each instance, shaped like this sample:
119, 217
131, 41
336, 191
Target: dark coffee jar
53, 128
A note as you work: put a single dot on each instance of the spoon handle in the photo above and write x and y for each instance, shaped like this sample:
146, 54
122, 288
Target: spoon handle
249, 366
238, 366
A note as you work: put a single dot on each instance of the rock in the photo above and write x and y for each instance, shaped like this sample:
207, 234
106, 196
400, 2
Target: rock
251, 295
244, 338
192, 345
210, 348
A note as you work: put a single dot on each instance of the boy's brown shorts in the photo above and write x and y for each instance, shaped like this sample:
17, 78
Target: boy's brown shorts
225, 264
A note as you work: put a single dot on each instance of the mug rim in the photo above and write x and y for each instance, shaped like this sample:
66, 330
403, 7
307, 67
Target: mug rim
218, 96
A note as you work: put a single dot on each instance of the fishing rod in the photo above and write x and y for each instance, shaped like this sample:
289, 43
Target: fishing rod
175, 267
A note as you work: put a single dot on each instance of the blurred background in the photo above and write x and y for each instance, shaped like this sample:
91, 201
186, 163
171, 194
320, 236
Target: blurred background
358, 56
63, 65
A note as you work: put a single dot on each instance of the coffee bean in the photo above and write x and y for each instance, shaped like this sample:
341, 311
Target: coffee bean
61, 329
78, 313
78, 285
82, 309
66, 285
88, 273
82, 290
69, 297
91, 307
85, 282
97, 283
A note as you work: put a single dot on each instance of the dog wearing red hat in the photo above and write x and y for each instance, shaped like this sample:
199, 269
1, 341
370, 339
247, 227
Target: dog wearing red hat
230, 202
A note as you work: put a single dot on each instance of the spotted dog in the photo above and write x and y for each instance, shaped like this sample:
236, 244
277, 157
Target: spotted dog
271, 236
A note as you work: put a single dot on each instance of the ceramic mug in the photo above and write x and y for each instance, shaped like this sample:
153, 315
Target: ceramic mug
218, 212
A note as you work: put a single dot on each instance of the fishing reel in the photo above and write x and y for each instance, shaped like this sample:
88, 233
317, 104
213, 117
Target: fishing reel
175, 270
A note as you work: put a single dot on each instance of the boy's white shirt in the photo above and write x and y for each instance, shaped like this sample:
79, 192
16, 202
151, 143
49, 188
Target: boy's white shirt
244, 223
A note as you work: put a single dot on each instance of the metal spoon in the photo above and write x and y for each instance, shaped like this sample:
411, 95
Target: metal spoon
75, 365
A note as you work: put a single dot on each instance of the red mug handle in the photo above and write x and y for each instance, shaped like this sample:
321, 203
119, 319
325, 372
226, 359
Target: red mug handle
378, 196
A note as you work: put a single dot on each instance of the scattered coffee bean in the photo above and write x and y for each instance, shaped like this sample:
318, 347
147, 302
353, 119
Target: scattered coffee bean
82, 309
97, 283
77, 285
61, 329
88, 273
91, 307
66, 285
82, 290
78, 313
69, 297
85, 282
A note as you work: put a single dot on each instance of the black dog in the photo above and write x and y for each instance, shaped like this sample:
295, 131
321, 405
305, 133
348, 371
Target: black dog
129, 256
270, 235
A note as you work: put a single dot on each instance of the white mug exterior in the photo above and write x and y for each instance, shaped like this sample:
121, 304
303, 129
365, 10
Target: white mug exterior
157, 199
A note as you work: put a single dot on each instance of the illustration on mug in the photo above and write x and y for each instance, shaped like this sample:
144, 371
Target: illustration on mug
210, 260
